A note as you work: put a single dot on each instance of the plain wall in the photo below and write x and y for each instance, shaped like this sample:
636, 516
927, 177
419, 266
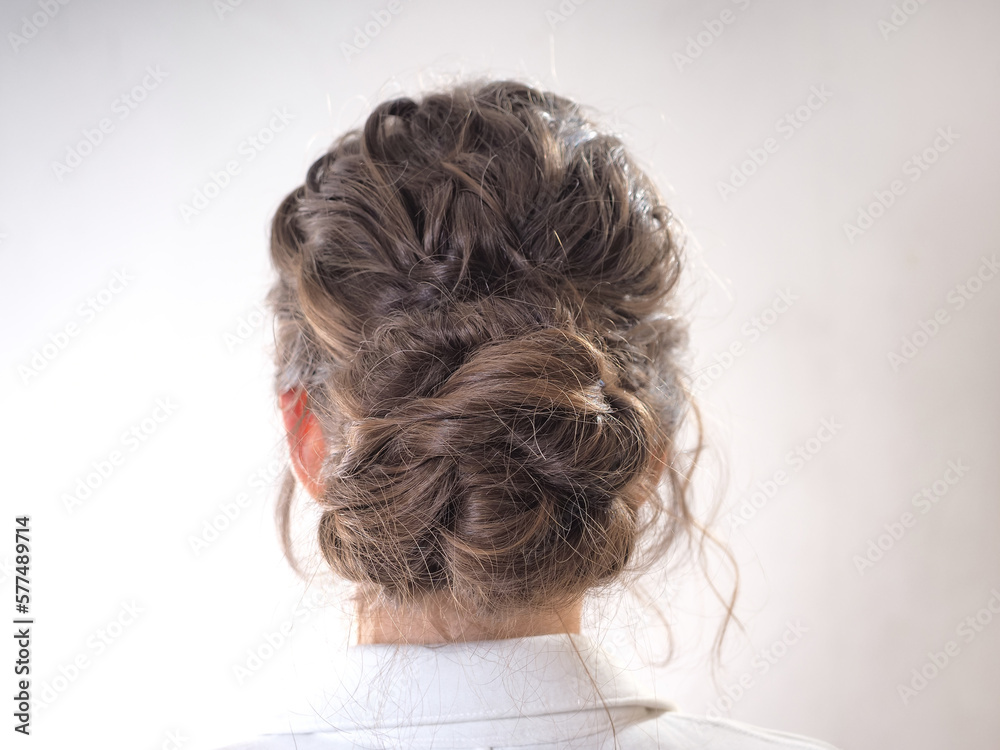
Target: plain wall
796, 317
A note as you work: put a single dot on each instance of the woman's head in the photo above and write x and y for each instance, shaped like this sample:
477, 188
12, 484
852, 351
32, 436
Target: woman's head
473, 304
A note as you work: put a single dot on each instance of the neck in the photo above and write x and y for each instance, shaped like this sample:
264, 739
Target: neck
438, 625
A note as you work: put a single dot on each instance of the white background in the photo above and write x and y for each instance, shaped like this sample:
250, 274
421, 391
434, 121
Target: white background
185, 329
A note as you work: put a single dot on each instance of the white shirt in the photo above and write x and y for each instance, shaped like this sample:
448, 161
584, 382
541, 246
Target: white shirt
528, 693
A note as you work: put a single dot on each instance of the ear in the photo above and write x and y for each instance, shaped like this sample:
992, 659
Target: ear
305, 440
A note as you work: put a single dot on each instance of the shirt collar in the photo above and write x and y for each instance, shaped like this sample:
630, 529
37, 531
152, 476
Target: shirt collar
505, 682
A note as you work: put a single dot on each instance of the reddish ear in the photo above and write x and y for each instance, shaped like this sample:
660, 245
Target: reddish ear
293, 404
305, 440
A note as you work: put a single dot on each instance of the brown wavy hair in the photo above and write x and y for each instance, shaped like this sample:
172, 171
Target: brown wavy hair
476, 292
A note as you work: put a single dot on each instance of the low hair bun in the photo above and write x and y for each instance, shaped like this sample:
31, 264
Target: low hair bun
517, 479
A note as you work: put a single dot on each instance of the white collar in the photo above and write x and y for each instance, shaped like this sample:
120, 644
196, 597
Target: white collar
479, 689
